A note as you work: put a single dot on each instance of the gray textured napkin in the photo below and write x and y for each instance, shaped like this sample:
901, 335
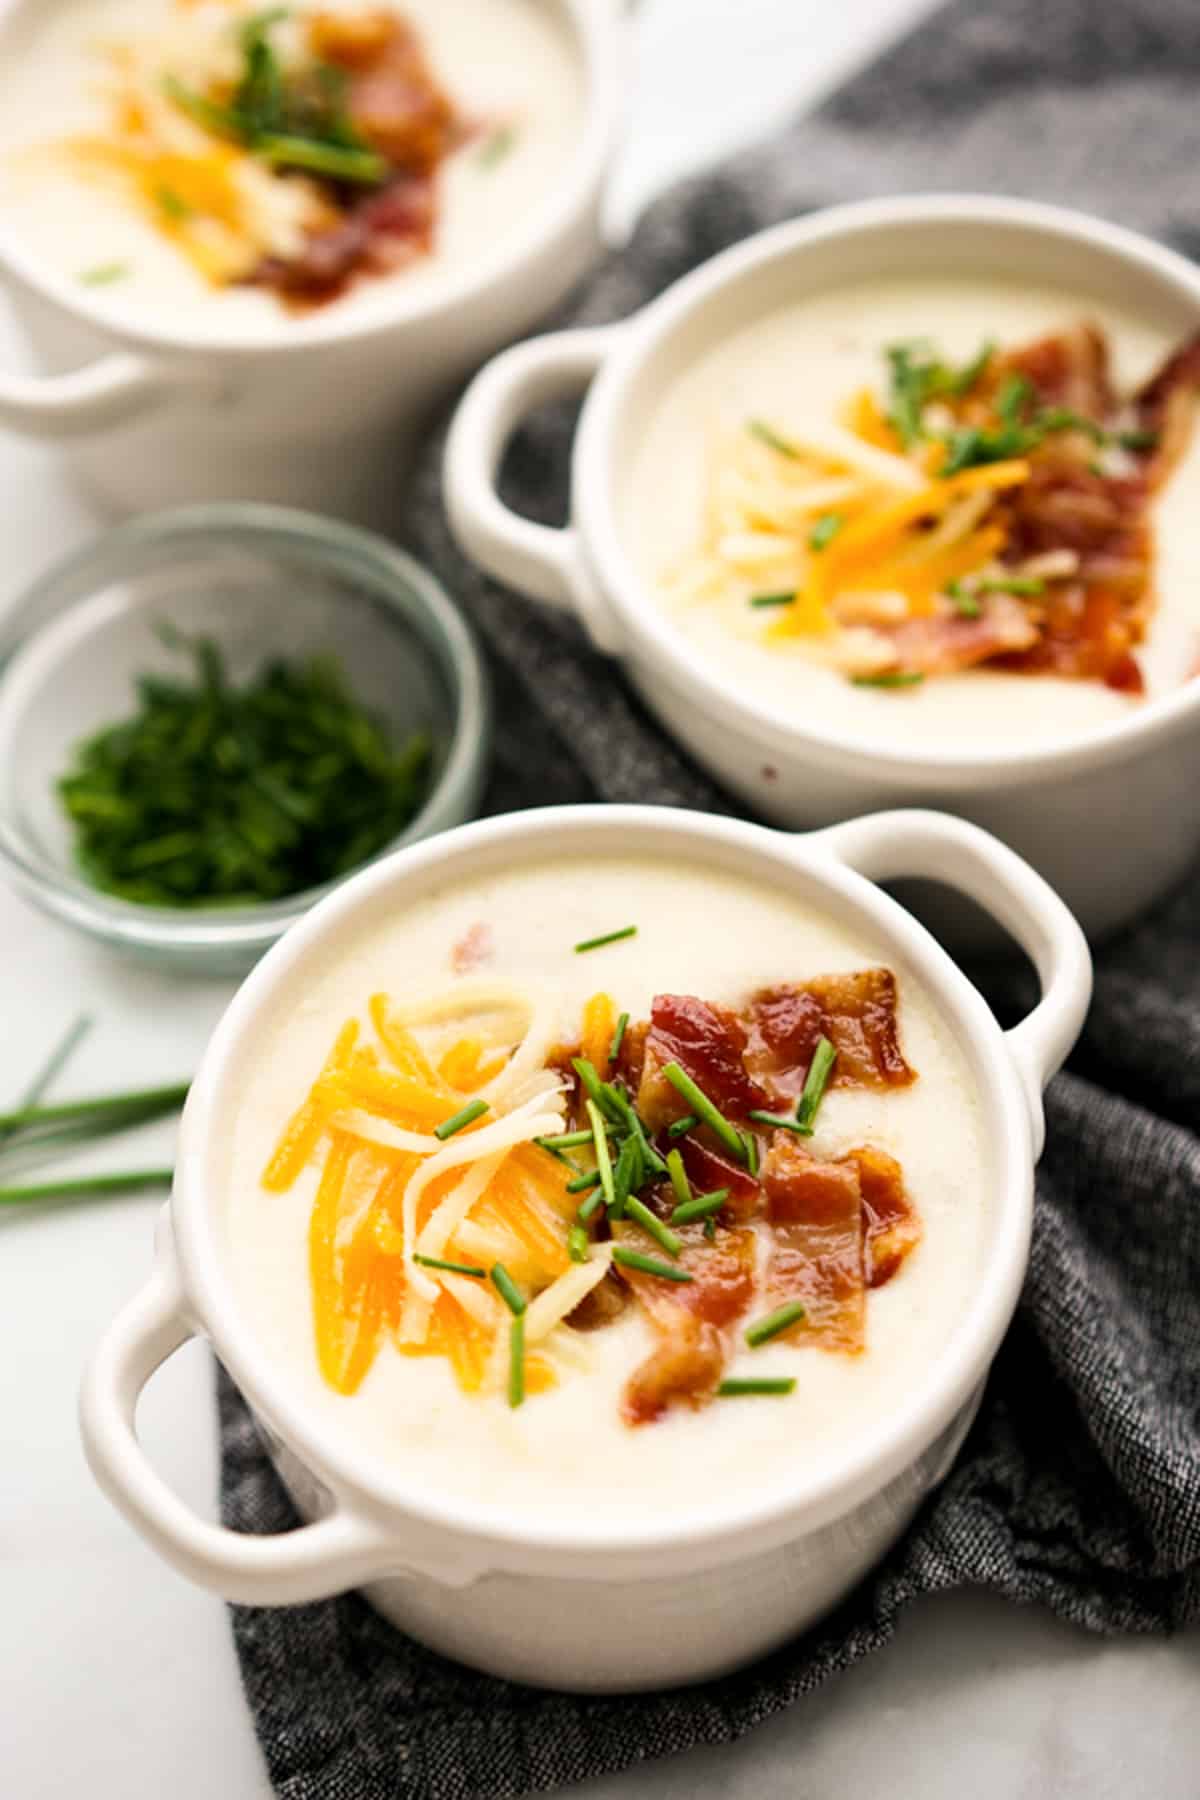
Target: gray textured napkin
1079, 1486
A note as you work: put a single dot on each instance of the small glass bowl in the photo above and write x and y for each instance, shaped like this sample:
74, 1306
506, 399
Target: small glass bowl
261, 581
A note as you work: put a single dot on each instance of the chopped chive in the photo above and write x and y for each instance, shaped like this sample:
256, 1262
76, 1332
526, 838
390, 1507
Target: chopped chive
773, 1323
454, 1268
516, 1361
966, 605
86, 1186
773, 599
593, 1202
765, 435
736, 1386
890, 678
497, 146
569, 1140
618, 1038
340, 162
614, 1101
825, 530
681, 1125
172, 204
649, 1265
702, 1207
1030, 585
815, 1082
103, 274
782, 1122
582, 1183
970, 372
700, 1103
626, 1176
603, 1159
1138, 440
665, 1238
54, 1064
710, 1229
578, 1244
609, 937
508, 1290
473, 1110
604, 1095
678, 1174
751, 1143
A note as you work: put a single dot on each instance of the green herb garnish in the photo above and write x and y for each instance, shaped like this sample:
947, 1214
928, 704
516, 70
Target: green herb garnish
582, 1183
85, 1187
104, 274
781, 1122
107, 1112
610, 937
825, 530
215, 794
594, 1201
651, 1224
678, 1174
751, 1143
763, 1330
738, 1387
467, 1115
516, 1361
917, 376
578, 1244
815, 1082
52, 1067
771, 438
452, 1268
677, 1128
508, 1290
649, 1265
627, 1176
569, 1140
1138, 440
603, 1159
702, 1207
889, 678
700, 1104
764, 600
618, 1038
965, 602
172, 204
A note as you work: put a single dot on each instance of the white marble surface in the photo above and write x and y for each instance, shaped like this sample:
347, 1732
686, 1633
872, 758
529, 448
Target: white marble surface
117, 1681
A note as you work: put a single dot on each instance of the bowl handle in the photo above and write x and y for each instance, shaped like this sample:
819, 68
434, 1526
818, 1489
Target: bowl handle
938, 847
336, 1553
536, 559
111, 391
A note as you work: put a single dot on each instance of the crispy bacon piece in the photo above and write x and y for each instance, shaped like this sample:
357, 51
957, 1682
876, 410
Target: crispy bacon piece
690, 1320
890, 1222
1070, 368
856, 1012
708, 1170
817, 1256
1166, 406
709, 1043
602, 1305
942, 643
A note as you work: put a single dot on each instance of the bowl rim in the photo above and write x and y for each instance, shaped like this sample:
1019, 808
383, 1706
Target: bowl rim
791, 1503
597, 30
646, 628
198, 932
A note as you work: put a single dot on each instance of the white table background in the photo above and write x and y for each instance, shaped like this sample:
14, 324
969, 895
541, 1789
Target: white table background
117, 1681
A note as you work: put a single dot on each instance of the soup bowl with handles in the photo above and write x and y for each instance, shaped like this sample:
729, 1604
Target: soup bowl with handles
319, 410
1110, 816
578, 1603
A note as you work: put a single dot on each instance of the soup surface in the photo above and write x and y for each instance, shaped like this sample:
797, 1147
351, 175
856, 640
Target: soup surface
616, 1410
235, 165
950, 513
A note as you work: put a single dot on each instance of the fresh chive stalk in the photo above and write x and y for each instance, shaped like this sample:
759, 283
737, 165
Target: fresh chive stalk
738, 1387
781, 1122
452, 1268
508, 1290
627, 1176
601, 1092
609, 937
603, 1159
765, 600
88, 1186
593, 1203
679, 1180
366, 168
700, 1104
889, 678
567, 1140
54, 1064
688, 1122
649, 1265
665, 1238
824, 530
144, 1103
578, 1244
770, 1326
618, 1037
516, 1360
758, 428
104, 274
751, 1143
815, 1082
467, 1115
704, 1206
582, 1183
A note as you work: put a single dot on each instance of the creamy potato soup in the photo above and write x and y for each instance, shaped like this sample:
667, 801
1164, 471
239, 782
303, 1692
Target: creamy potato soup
231, 164
604, 1226
943, 513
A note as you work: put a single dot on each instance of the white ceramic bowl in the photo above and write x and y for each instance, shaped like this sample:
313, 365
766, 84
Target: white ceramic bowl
318, 411
577, 1605
1111, 818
